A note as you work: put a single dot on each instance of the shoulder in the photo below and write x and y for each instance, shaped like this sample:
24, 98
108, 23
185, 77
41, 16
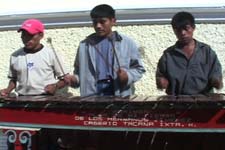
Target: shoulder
46, 51
205, 48
126, 41
18, 52
88, 39
46, 48
202, 45
124, 37
169, 49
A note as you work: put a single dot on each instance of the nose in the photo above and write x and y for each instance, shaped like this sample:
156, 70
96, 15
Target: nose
182, 31
98, 25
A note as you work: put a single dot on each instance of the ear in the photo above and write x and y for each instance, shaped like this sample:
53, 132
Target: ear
41, 35
113, 21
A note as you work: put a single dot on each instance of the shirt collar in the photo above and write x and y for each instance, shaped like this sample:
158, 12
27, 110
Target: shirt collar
93, 39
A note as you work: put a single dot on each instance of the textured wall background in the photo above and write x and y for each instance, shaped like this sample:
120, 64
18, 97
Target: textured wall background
152, 38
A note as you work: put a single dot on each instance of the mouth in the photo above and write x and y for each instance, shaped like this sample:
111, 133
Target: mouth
100, 31
28, 44
184, 38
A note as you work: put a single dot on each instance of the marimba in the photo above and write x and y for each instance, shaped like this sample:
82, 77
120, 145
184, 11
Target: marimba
186, 114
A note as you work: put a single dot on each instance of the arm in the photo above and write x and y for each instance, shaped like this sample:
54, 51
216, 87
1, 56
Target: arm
8, 90
60, 72
123, 77
217, 83
74, 79
52, 88
161, 80
12, 75
161, 83
215, 75
132, 67
67, 79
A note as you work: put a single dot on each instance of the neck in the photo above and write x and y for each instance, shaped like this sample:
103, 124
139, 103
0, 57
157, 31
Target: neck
189, 48
34, 50
181, 45
189, 45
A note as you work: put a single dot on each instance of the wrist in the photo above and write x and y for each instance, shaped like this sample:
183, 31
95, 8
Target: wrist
56, 86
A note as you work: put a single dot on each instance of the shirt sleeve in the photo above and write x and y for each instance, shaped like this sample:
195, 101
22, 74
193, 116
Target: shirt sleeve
215, 72
136, 68
76, 66
161, 67
12, 72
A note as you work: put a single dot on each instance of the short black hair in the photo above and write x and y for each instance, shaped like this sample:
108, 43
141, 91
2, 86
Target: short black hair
181, 19
102, 10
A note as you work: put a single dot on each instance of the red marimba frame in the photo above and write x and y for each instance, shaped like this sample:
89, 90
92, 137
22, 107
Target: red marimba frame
142, 121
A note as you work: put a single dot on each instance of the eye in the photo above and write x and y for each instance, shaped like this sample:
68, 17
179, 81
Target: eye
187, 28
101, 21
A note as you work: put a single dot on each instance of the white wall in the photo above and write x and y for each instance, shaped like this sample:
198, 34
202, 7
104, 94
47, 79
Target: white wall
152, 38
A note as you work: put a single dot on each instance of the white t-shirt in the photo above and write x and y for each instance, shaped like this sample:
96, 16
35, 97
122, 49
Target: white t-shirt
33, 71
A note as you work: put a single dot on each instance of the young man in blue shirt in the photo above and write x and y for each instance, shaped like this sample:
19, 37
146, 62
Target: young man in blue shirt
107, 62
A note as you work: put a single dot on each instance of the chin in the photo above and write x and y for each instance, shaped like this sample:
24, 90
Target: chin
184, 41
28, 47
102, 34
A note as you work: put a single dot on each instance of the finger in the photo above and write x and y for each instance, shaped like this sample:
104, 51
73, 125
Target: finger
67, 81
119, 70
4, 94
47, 88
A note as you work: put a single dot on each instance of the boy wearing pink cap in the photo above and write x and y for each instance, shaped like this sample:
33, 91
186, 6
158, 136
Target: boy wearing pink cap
34, 68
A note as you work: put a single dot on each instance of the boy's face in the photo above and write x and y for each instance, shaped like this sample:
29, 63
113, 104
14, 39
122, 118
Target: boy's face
184, 34
103, 26
30, 41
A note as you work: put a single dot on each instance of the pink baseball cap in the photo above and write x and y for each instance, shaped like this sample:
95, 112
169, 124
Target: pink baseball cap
33, 26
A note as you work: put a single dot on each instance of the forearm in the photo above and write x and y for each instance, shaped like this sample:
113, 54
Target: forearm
7, 91
217, 82
60, 84
161, 83
11, 85
135, 73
